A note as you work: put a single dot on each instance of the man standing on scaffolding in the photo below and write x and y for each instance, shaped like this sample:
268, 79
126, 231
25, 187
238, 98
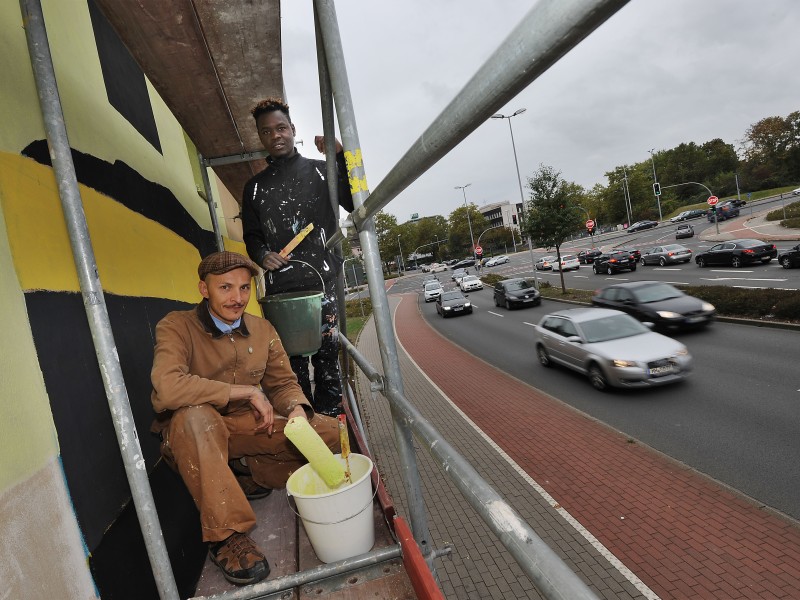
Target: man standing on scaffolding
278, 203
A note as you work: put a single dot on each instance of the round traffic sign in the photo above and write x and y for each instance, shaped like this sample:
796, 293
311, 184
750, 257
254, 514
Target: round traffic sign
712, 200
589, 224
478, 250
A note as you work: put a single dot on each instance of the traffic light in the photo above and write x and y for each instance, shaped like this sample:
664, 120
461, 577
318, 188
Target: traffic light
657, 188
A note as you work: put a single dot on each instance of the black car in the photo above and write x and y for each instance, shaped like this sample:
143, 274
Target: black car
736, 253
614, 262
695, 213
636, 254
656, 302
586, 257
467, 262
790, 258
453, 303
640, 225
737, 202
516, 292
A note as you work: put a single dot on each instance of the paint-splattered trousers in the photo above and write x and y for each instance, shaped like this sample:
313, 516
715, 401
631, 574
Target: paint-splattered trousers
200, 441
327, 396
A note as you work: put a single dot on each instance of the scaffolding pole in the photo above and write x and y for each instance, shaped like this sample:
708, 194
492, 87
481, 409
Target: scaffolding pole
93, 297
326, 15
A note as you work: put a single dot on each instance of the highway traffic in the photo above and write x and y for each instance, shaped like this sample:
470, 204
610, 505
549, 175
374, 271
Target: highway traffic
734, 419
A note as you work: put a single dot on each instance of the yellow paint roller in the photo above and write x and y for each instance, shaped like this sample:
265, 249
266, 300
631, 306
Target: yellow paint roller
296, 240
319, 456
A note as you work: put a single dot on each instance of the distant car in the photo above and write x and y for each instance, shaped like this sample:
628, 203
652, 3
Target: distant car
636, 254
467, 262
796, 192
586, 257
611, 348
679, 217
736, 253
568, 262
432, 291
497, 260
545, 263
669, 254
458, 274
614, 262
640, 225
724, 211
437, 268
695, 213
450, 262
453, 303
429, 279
516, 292
684, 230
656, 302
790, 258
738, 202
469, 283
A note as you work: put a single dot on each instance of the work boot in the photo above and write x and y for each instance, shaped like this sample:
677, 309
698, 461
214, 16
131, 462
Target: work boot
240, 559
251, 489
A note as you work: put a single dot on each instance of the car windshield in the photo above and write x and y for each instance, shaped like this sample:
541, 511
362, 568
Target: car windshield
612, 327
657, 292
470, 278
672, 247
432, 286
452, 296
518, 285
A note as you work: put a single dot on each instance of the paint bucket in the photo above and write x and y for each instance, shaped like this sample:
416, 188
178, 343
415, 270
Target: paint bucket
298, 318
338, 521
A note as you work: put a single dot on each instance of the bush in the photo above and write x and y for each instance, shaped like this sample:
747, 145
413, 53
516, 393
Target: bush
791, 213
782, 305
353, 307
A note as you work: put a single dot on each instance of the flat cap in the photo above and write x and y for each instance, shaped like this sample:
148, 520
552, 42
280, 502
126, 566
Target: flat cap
222, 262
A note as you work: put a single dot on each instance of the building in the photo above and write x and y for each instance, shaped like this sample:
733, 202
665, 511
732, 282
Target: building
502, 214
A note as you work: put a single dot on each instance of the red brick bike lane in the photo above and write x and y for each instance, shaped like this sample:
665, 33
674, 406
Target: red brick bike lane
682, 533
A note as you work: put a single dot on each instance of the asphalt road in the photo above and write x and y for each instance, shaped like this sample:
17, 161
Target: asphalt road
735, 419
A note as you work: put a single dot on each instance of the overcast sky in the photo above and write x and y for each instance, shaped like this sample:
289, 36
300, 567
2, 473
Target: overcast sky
656, 74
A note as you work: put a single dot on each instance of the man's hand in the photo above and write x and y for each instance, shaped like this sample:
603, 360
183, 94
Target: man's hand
274, 261
319, 142
265, 416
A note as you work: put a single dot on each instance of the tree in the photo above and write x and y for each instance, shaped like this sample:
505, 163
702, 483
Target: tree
460, 242
430, 229
385, 229
551, 212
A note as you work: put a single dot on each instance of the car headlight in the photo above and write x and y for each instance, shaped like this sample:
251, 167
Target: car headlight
668, 314
623, 363
708, 307
682, 352
467, 304
446, 307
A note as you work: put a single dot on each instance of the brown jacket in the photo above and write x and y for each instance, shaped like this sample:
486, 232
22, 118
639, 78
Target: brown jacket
195, 363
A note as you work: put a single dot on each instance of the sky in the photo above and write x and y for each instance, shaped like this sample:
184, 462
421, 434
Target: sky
656, 74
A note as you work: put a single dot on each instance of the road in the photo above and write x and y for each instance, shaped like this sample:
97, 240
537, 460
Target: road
735, 419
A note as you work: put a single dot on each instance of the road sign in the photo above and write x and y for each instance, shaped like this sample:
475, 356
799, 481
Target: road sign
712, 200
589, 224
478, 250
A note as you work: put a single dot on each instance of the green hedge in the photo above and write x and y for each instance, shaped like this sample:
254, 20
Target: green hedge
792, 213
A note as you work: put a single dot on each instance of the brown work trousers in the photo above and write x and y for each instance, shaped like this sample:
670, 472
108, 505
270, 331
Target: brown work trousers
200, 441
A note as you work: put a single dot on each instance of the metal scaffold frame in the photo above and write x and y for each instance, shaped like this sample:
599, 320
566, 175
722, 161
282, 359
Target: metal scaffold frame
546, 33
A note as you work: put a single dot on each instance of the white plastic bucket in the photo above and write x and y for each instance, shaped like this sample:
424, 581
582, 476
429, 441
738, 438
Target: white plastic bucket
338, 521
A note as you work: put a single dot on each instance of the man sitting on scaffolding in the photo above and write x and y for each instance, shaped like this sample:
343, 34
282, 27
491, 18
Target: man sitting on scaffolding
223, 389
278, 203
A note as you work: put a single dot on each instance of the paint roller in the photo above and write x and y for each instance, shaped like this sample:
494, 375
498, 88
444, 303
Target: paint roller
296, 240
319, 456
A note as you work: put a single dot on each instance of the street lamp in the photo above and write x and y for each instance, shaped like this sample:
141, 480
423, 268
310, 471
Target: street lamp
400, 259
519, 111
469, 221
655, 184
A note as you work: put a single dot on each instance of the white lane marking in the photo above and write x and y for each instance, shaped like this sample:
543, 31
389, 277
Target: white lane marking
667, 269
585, 533
491, 312
678, 282
729, 271
742, 279
581, 276
531, 324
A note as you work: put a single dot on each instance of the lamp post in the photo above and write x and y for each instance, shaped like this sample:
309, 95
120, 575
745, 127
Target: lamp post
400, 258
655, 184
469, 221
517, 112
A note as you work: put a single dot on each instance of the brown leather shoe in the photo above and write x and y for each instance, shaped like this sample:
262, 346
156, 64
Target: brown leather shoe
251, 489
240, 560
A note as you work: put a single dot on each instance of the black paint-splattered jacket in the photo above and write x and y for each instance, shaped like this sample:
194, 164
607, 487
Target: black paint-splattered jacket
278, 203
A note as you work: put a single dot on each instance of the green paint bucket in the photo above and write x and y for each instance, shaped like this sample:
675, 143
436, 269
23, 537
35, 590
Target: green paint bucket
298, 318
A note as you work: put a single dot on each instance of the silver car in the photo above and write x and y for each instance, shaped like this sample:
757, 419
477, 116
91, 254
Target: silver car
668, 254
433, 290
611, 348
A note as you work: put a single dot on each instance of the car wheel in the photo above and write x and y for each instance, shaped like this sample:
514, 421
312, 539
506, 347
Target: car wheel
544, 357
597, 378
766, 260
496, 303
508, 304
736, 262
633, 268
594, 269
701, 262
644, 264
610, 271
786, 263
662, 261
